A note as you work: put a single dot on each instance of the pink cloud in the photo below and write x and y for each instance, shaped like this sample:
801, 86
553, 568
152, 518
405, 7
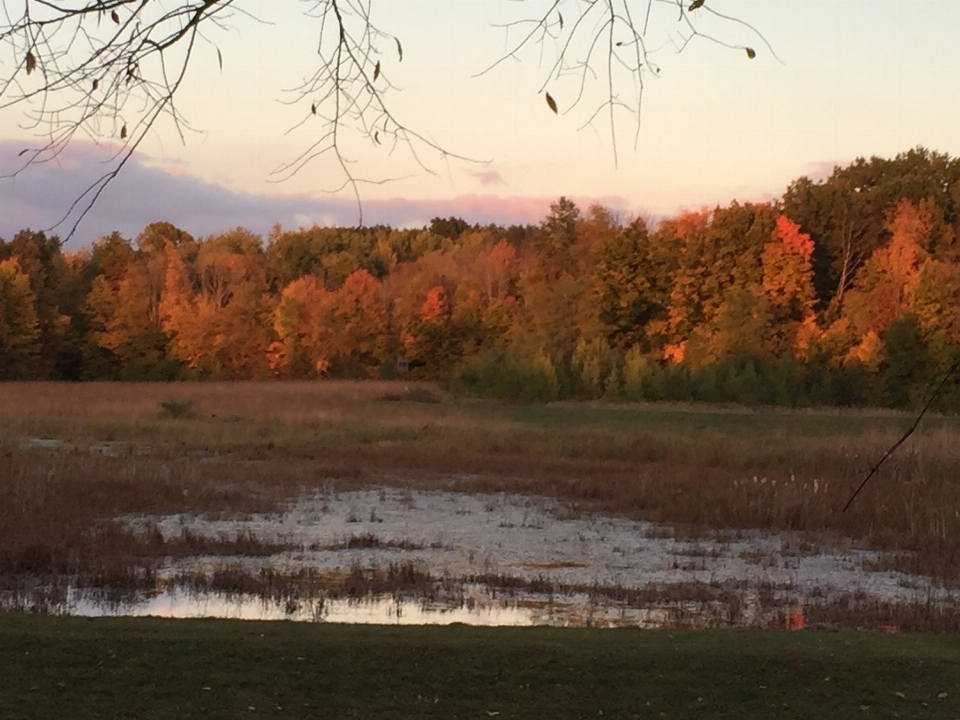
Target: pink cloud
146, 192
489, 177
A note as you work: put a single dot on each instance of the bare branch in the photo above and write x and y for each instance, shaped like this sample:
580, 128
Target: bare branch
623, 29
110, 70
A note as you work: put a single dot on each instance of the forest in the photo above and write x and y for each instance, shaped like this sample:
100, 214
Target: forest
843, 291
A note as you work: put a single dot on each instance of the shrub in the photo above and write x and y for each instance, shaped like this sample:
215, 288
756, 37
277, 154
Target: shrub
176, 408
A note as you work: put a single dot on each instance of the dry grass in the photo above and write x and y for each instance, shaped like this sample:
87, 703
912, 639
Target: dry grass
249, 447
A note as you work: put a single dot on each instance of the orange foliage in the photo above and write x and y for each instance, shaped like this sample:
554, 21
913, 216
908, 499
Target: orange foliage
689, 224
301, 322
794, 242
436, 307
217, 329
676, 352
359, 322
887, 282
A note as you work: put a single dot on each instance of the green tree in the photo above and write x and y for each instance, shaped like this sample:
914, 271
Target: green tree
845, 214
19, 326
634, 275
553, 244
41, 260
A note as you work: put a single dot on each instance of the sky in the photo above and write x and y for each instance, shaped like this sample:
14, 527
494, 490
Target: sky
832, 80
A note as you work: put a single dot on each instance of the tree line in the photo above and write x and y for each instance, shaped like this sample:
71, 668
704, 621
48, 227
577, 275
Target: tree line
844, 291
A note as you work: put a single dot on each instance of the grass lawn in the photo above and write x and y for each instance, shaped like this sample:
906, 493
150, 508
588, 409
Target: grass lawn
59, 667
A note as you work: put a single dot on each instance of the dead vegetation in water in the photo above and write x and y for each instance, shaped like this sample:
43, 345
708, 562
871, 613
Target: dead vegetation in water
251, 447
371, 541
399, 580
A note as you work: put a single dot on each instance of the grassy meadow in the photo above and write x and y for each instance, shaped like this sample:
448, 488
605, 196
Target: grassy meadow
78, 455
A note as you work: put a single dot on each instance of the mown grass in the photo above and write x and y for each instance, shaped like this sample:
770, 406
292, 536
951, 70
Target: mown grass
156, 669
249, 447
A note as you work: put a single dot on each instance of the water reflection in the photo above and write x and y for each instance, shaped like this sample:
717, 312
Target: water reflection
476, 610
370, 611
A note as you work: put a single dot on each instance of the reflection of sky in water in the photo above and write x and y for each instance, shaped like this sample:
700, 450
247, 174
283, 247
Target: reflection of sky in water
375, 611
573, 610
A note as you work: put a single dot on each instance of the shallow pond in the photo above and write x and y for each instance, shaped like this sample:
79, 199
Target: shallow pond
504, 560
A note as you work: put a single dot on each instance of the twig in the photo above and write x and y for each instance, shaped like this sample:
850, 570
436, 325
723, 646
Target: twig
873, 471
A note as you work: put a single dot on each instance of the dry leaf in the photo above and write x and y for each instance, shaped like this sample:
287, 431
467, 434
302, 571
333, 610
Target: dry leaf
123, 132
376, 71
115, 17
31, 62
399, 49
552, 103
695, 4
751, 53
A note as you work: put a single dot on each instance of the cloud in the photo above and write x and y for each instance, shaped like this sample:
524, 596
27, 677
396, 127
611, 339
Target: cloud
489, 177
820, 170
145, 193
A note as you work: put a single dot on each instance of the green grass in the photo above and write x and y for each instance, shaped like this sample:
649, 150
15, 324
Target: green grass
55, 667
694, 419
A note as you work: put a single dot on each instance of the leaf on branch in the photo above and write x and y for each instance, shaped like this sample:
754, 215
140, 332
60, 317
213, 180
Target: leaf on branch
376, 71
376, 137
313, 109
31, 62
399, 49
96, 83
123, 132
23, 152
552, 103
751, 53
115, 17
220, 58
560, 15
695, 4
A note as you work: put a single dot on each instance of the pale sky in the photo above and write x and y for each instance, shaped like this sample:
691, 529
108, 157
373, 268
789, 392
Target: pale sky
854, 78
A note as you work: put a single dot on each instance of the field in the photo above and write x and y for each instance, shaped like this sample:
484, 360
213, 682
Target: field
123, 494
156, 669
78, 456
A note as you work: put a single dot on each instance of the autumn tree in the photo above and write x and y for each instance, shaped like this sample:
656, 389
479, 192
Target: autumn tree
303, 325
634, 276
553, 244
19, 325
845, 214
884, 287
217, 312
359, 326
788, 282
449, 303
41, 260
720, 258
124, 307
